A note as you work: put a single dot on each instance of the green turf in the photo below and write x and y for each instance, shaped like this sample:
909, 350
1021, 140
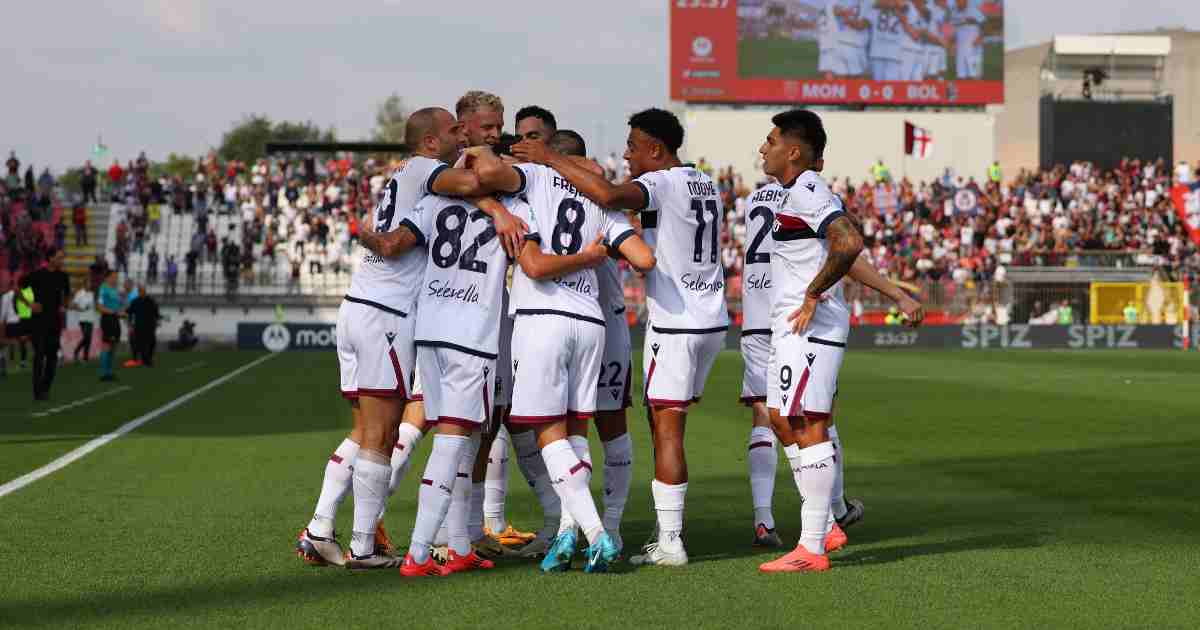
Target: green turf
783, 58
1004, 489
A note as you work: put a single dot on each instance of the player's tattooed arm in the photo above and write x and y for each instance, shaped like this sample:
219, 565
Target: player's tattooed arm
588, 183
845, 244
539, 265
864, 272
386, 244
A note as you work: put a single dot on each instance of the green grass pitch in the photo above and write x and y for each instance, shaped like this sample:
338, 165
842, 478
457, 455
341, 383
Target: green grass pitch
1003, 489
783, 58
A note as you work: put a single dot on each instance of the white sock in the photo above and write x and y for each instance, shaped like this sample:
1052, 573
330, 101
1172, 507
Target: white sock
434, 496
838, 500
819, 472
792, 452
668, 504
372, 471
570, 475
496, 483
475, 520
531, 463
339, 472
459, 537
579, 445
763, 461
618, 474
406, 442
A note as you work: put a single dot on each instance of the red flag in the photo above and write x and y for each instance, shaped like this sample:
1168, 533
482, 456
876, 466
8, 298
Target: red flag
918, 142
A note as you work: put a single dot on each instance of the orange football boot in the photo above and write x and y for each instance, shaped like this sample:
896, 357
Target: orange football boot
835, 539
469, 562
800, 560
431, 568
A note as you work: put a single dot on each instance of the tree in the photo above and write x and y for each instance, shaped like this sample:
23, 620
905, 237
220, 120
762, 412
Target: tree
180, 166
248, 139
390, 118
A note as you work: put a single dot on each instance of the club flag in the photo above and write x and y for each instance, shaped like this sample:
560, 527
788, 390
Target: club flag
918, 142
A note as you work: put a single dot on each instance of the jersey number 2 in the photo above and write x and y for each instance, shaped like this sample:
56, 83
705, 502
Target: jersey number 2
700, 207
452, 237
753, 256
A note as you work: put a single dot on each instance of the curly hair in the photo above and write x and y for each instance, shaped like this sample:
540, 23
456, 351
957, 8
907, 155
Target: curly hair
475, 99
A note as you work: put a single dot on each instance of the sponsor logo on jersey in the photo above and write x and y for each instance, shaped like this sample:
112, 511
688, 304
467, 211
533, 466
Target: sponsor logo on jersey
758, 281
276, 338
811, 187
390, 337
654, 348
446, 291
579, 285
693, 282
811, 357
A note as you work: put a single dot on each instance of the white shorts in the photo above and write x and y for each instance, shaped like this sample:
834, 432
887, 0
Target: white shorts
756, 360
914, 66
556, 365
375, 351
885, 69
416, 392
842, 61
968, 63
676, 365
615, 376
803, 377
460, 386
504, 379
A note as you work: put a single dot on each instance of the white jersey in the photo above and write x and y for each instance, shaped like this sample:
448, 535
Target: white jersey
967, 24
756, 274
393, 283
85, 306
886, 32
462, 294
562, 223
835, 31
685, 292
918, 22
801, 250
612, 290
937, 21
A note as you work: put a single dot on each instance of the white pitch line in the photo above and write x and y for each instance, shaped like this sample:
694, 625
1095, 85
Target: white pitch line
82, 401
66, 460
189, 367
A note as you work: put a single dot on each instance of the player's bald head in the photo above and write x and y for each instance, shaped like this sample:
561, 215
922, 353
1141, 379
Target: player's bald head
424, 123
568, 142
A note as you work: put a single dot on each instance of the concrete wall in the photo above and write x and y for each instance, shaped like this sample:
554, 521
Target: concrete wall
963, 141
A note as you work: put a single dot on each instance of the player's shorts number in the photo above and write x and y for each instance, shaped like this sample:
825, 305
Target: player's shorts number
785, 377
570, 223
451, 237
615, 379
753, 256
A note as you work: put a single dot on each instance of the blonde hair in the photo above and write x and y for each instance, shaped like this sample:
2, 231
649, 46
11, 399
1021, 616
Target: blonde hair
475, 99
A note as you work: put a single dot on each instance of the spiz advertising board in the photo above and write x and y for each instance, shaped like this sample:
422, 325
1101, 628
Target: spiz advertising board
879, 52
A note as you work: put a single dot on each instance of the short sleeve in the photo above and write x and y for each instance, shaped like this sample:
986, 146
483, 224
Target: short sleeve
410, 218
522, 210
654, 185
531, 176
434, 168
809, 210
616, 228
420, 218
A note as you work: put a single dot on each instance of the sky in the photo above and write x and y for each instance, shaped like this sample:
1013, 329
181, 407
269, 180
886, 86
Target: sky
172, 75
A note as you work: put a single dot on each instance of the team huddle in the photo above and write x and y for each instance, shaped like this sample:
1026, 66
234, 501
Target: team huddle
433, 336
900, 40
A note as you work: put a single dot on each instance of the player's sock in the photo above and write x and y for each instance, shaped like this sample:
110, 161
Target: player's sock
668, 504
531, 463
579, 445
372, 470
618, 474
818, 473
339, 471
496, 483
407, 439
433, 499
838, 501
458, 534
572, 473
475, 515
792, 452
763, 461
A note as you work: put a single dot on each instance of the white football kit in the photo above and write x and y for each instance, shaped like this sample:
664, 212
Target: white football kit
615, 376
558, 337
459, 309
685, 292
803, 377
843, 50
375, 322
968, 54
913, 53
756, 291
936, 63
886, 34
